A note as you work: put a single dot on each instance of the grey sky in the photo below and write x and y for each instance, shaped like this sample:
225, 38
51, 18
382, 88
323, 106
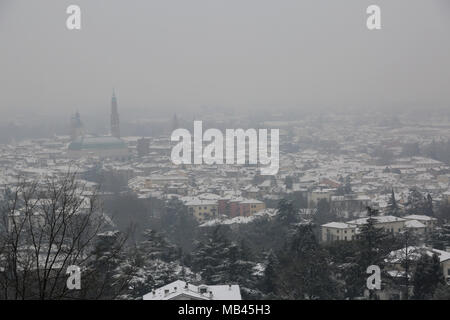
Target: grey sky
222, 53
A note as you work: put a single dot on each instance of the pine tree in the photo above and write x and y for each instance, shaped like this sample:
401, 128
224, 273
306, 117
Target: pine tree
371, 240
105, 280
427, 277
372, 246
416, 202
211, 257
287, 213
155, 246
442, 292
304, 271
428, 206
270, 279
153, 263
392, 205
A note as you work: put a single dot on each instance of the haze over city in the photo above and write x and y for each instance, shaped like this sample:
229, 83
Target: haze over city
226, 55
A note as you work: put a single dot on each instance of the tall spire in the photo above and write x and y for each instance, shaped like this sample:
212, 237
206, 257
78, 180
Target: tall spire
115, 124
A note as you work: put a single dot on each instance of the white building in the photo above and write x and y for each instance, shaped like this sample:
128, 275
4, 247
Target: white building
181, 290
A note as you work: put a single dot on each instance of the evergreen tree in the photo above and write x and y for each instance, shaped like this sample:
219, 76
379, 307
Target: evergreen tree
270, 279
371, 240
323, 213
428, 206
287, 213
304, 271
155, 246
211, 257
427, 277
153, 263
372, 246
440, 238
392, 205
416, 202
105, 281
442, 292
408, 240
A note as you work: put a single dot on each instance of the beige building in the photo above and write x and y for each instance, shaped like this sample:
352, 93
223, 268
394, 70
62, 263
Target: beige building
348, 231
203, 210
338, 231
388, 223
250, 207
429, 222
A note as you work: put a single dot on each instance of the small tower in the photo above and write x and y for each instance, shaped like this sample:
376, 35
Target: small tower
76, 127
115, 124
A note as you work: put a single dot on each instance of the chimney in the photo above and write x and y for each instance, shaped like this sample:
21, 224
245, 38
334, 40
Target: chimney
229, 287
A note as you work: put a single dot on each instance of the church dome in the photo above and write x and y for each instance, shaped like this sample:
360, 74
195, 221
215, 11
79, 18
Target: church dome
97, 143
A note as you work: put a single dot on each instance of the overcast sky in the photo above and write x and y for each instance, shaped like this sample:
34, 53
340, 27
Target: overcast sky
163, 54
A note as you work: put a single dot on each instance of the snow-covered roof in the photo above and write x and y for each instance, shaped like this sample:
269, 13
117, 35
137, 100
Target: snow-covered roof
419, 217
414, 224
378, 219
338, 225
178, 289
414, 253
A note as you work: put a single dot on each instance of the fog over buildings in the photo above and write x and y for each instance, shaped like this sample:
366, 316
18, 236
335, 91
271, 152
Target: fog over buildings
225, 55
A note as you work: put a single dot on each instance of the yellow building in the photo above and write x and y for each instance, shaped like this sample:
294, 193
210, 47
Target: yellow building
202, 210
250, 207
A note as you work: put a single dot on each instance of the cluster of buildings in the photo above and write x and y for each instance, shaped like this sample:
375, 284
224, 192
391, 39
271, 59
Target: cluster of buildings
338, 164
349, 166
348, 231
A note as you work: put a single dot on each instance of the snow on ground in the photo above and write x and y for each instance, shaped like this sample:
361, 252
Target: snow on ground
262, 213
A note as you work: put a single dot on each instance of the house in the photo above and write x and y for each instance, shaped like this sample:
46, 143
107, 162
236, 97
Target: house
202, 209
388, 223
416, 226
395, 258
350, 202
338, 231
181, 290
429, 222
348, 231
250, 207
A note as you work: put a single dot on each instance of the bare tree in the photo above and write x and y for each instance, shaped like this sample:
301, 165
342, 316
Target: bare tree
47, 226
